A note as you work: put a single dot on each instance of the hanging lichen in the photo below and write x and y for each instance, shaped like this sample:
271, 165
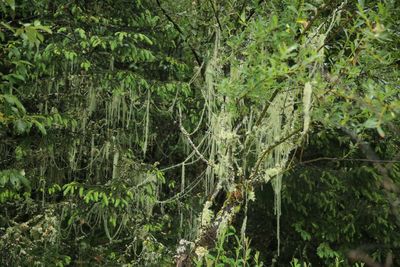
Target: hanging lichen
306, 106
147, 121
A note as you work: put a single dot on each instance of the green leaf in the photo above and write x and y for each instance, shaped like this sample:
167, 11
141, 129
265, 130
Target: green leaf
11, 3
325, 251
12, 100
15, 180
40, 127
81, 191
7, 26
67, 190
105, 199
117, 201
31, 33
371, 123
25, 182
3, 178
380, 131
21, 126
96, 196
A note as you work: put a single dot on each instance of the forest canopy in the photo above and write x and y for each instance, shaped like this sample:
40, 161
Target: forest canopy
200, 133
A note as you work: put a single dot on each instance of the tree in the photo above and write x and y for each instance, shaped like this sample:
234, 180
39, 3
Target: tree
128, 127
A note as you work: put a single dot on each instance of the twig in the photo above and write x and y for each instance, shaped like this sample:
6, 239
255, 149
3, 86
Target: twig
253, 11
197, 57
187, 135
216, 15
349, 159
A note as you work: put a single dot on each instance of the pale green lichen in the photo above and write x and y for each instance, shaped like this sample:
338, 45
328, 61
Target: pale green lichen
207, 214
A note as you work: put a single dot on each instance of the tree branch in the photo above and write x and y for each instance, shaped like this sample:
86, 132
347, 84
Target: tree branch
195, 54
269, 150
267, 105
216, 15
349, 159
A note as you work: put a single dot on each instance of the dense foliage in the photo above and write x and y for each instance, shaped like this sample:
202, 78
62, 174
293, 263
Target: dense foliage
208, 133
